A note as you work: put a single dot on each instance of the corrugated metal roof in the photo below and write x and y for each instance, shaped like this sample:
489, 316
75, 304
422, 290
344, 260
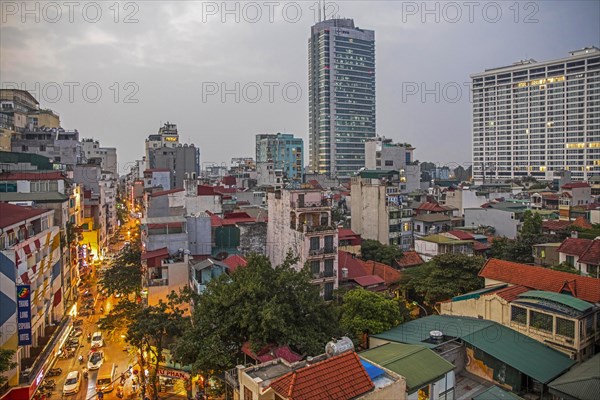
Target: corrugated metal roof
581, 382
496, 393
560, 298
522, 353
418, 364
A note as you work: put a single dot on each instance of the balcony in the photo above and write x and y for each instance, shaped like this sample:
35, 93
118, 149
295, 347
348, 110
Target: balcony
325, 274
158, 282
323, 205
320, 229
324, 251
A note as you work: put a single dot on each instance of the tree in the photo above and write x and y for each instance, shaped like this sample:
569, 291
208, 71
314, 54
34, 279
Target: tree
122, 279
383, 253
444, 276
369, 312
259, 304
520, 249
6, 363
564, 267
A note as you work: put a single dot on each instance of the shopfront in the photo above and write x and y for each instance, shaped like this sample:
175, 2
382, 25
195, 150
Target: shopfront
174, 381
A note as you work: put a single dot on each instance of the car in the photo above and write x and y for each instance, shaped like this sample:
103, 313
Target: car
95, 359
97, 340
72, 383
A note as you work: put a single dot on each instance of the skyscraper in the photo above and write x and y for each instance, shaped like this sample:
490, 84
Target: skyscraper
341, 75
536, 118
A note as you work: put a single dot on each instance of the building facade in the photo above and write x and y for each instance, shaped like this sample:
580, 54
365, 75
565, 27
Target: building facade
382, 154
283, 150
300, 221
341, 59
534, 118
91, 149
378, 211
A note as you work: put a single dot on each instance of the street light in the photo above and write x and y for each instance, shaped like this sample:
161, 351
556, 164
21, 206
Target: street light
414, 303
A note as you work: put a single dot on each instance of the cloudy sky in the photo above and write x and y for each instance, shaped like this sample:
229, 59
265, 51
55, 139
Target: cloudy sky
116, 71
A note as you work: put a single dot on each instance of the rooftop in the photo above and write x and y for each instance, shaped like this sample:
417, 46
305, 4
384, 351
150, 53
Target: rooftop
581, 382
11, 214
418, 364
409, 259
163, 252
165, 192
526, 355
32, 176
540, 278
38, 197
550, 300
339, 377
441, 239
437, 217
496, 393
574, 185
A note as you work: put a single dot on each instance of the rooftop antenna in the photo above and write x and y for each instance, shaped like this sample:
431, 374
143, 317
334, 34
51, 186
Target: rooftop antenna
320, 11
324, 14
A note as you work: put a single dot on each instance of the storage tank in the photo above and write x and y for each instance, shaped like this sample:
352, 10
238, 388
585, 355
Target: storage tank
339, 346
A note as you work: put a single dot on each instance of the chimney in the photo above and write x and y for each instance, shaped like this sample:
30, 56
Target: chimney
344, 273
574, 234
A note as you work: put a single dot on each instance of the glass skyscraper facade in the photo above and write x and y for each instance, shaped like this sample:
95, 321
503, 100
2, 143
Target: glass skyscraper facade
285, 151
538, 118
341, 61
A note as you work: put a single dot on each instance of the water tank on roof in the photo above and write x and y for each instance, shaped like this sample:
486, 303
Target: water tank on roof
436, 336
339, 346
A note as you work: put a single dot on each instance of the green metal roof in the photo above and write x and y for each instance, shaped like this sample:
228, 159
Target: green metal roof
522, 353
496, 393
581, 382
560, 298
477, 293
38, 197
418, 364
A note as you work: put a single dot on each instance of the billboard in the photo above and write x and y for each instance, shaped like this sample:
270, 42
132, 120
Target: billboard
24, 314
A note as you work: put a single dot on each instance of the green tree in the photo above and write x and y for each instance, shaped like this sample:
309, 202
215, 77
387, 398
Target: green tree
124, 275
383, 253
443, 277
259, 304
520, 249
564, 267
6, 363
369, 312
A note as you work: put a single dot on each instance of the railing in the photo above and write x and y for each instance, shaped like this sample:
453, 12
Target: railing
325, 274
231, 377
318, 228
158, 282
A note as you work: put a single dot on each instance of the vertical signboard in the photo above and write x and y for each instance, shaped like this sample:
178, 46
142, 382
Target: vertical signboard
24, 314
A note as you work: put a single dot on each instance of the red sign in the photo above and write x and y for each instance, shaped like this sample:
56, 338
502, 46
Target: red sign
171, 373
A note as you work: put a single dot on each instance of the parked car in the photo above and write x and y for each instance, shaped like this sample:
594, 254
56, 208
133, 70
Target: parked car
95, 359
72, 383
97, 340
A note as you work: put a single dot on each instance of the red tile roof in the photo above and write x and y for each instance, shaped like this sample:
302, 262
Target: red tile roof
512, 292
337, 378
271, 352
574, 246
478, 246
355, 266
234, 261
165, 192
32, 176
592, 254
229, 180
409, 259
314, 184
164, 252
11, 214
388, 274
433, 207
368, 280
574, 185
206, 190
461, 235
555, 225
344, 233
541, 278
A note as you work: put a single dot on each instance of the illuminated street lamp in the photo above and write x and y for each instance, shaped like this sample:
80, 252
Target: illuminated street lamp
414, 303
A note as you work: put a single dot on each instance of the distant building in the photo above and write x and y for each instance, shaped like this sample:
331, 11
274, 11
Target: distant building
61, 146
284, 151
534, 118
300, 222
382, 154
91, 149
341, 92
379, 211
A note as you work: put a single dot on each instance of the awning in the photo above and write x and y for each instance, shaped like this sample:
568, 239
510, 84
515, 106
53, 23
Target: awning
27, 249
38, 245
57, 298
25, 278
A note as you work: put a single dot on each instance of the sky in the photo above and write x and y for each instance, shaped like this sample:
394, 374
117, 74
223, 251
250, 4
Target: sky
226, 71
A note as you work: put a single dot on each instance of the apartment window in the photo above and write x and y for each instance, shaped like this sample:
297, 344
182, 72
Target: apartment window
247, 393
518, 315
540, 321
329, 243
315, 267
314, 243
570, 261
389, 163
24, 148
44, 223
42, 147
328, 291
329, 268
2, 242
6, 187
565, 327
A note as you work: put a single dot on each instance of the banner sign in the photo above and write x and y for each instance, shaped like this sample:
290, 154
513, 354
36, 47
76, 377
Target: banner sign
24, 314
171, 373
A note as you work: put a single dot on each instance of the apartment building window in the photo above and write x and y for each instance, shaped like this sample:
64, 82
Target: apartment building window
6, 187
314, 243
42, 147
247, 393
329, 243
518, 315
570, 261
24, 148
329, 268
2, 242
565, 327
315, 267
328, 291
389, 163
44, 223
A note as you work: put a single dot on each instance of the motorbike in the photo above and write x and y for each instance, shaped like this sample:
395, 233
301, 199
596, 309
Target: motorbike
84, 313
80, 359
48, 384
54, 372
77, 322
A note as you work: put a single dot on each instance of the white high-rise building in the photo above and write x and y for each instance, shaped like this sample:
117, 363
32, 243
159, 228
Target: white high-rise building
535, 118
